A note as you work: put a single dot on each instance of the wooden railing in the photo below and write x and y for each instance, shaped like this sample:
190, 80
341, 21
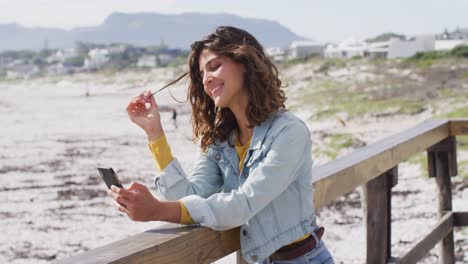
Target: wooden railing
374, 166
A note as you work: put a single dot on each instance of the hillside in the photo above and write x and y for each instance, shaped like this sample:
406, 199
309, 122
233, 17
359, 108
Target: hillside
177, 31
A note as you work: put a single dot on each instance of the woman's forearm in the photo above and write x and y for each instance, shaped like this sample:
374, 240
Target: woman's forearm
170, 212
154, 133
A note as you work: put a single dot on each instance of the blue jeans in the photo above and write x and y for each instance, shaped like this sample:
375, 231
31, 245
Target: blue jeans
318, 255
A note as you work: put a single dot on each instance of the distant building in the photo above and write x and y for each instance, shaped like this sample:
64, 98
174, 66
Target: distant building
59, 69
147, 61
62, 55
449, 40
379, 49
166, 56
459, 33
448, 44
277, 54
23, 71
117, 49
407, 48
303, 49
96, 59
347, 49
393, 48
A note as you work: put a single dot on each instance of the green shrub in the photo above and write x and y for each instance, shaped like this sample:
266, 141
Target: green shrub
331, 63
294, 61
430, 55
460, 51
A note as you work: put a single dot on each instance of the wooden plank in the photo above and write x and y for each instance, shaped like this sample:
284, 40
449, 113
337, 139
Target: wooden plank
167, 244
447, 248
344, 174
394, 179
422, 247
448, 145
458, 127
460, 218
431, 164
378, 218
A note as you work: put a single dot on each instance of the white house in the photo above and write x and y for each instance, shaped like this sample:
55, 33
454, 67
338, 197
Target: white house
379, 49
302, 49
347, 49
407, 48
448, 44
164, 59
147, 61
458, 33
24, 71
62, 55
59, 69
276, 53
96, 59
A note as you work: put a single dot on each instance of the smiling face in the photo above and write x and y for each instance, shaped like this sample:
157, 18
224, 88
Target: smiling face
223, 80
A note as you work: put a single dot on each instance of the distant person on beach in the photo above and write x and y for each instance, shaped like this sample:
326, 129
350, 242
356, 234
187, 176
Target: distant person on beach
174, 117
255, 165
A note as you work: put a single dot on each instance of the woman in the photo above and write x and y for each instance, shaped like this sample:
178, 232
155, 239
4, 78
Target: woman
255, 164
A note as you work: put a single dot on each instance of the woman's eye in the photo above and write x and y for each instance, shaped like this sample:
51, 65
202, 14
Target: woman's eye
215, 67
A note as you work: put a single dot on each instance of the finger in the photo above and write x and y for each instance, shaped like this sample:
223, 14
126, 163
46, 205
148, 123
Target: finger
136, 186
130, 107
138, 102
152, 102
136, 107
115, 196
122, 192
137, 96
121, 208
135, 104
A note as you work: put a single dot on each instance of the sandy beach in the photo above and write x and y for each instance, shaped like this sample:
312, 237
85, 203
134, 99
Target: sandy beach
54, 136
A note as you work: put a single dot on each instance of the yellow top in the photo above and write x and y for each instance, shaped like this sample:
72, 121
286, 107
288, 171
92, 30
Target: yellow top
241, 151
161, 152
162, 155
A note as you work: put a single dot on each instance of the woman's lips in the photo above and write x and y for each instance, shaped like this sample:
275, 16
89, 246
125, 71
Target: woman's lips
216, 90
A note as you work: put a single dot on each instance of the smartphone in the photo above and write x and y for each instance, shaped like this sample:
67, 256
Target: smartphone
109, 177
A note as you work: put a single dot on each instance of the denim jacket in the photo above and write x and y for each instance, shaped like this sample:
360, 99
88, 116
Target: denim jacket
271, 198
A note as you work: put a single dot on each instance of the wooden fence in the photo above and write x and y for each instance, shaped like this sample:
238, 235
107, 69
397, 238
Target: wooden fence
374, 166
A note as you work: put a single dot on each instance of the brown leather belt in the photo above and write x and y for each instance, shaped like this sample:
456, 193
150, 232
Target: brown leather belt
298, 249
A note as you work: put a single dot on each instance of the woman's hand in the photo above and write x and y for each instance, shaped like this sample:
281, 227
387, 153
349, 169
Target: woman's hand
144, 112
140, 205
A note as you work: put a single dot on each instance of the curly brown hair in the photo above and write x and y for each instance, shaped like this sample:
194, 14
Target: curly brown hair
261, 80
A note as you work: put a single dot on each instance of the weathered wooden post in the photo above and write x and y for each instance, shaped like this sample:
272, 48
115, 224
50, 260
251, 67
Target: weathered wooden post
378, 192
442, 164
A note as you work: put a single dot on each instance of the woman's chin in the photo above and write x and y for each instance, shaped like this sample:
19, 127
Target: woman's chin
219, 103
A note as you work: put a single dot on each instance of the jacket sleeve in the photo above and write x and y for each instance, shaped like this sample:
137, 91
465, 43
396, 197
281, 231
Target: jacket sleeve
204, 179
268, 180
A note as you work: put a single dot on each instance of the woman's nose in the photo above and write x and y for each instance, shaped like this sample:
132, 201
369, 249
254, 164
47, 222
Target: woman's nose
207, 79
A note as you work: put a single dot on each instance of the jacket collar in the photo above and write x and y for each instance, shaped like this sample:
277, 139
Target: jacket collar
261, 130
259, 133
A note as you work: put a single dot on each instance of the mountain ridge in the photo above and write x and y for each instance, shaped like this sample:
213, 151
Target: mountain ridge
143, 29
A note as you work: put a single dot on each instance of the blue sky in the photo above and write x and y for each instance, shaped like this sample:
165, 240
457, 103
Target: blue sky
325, 20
